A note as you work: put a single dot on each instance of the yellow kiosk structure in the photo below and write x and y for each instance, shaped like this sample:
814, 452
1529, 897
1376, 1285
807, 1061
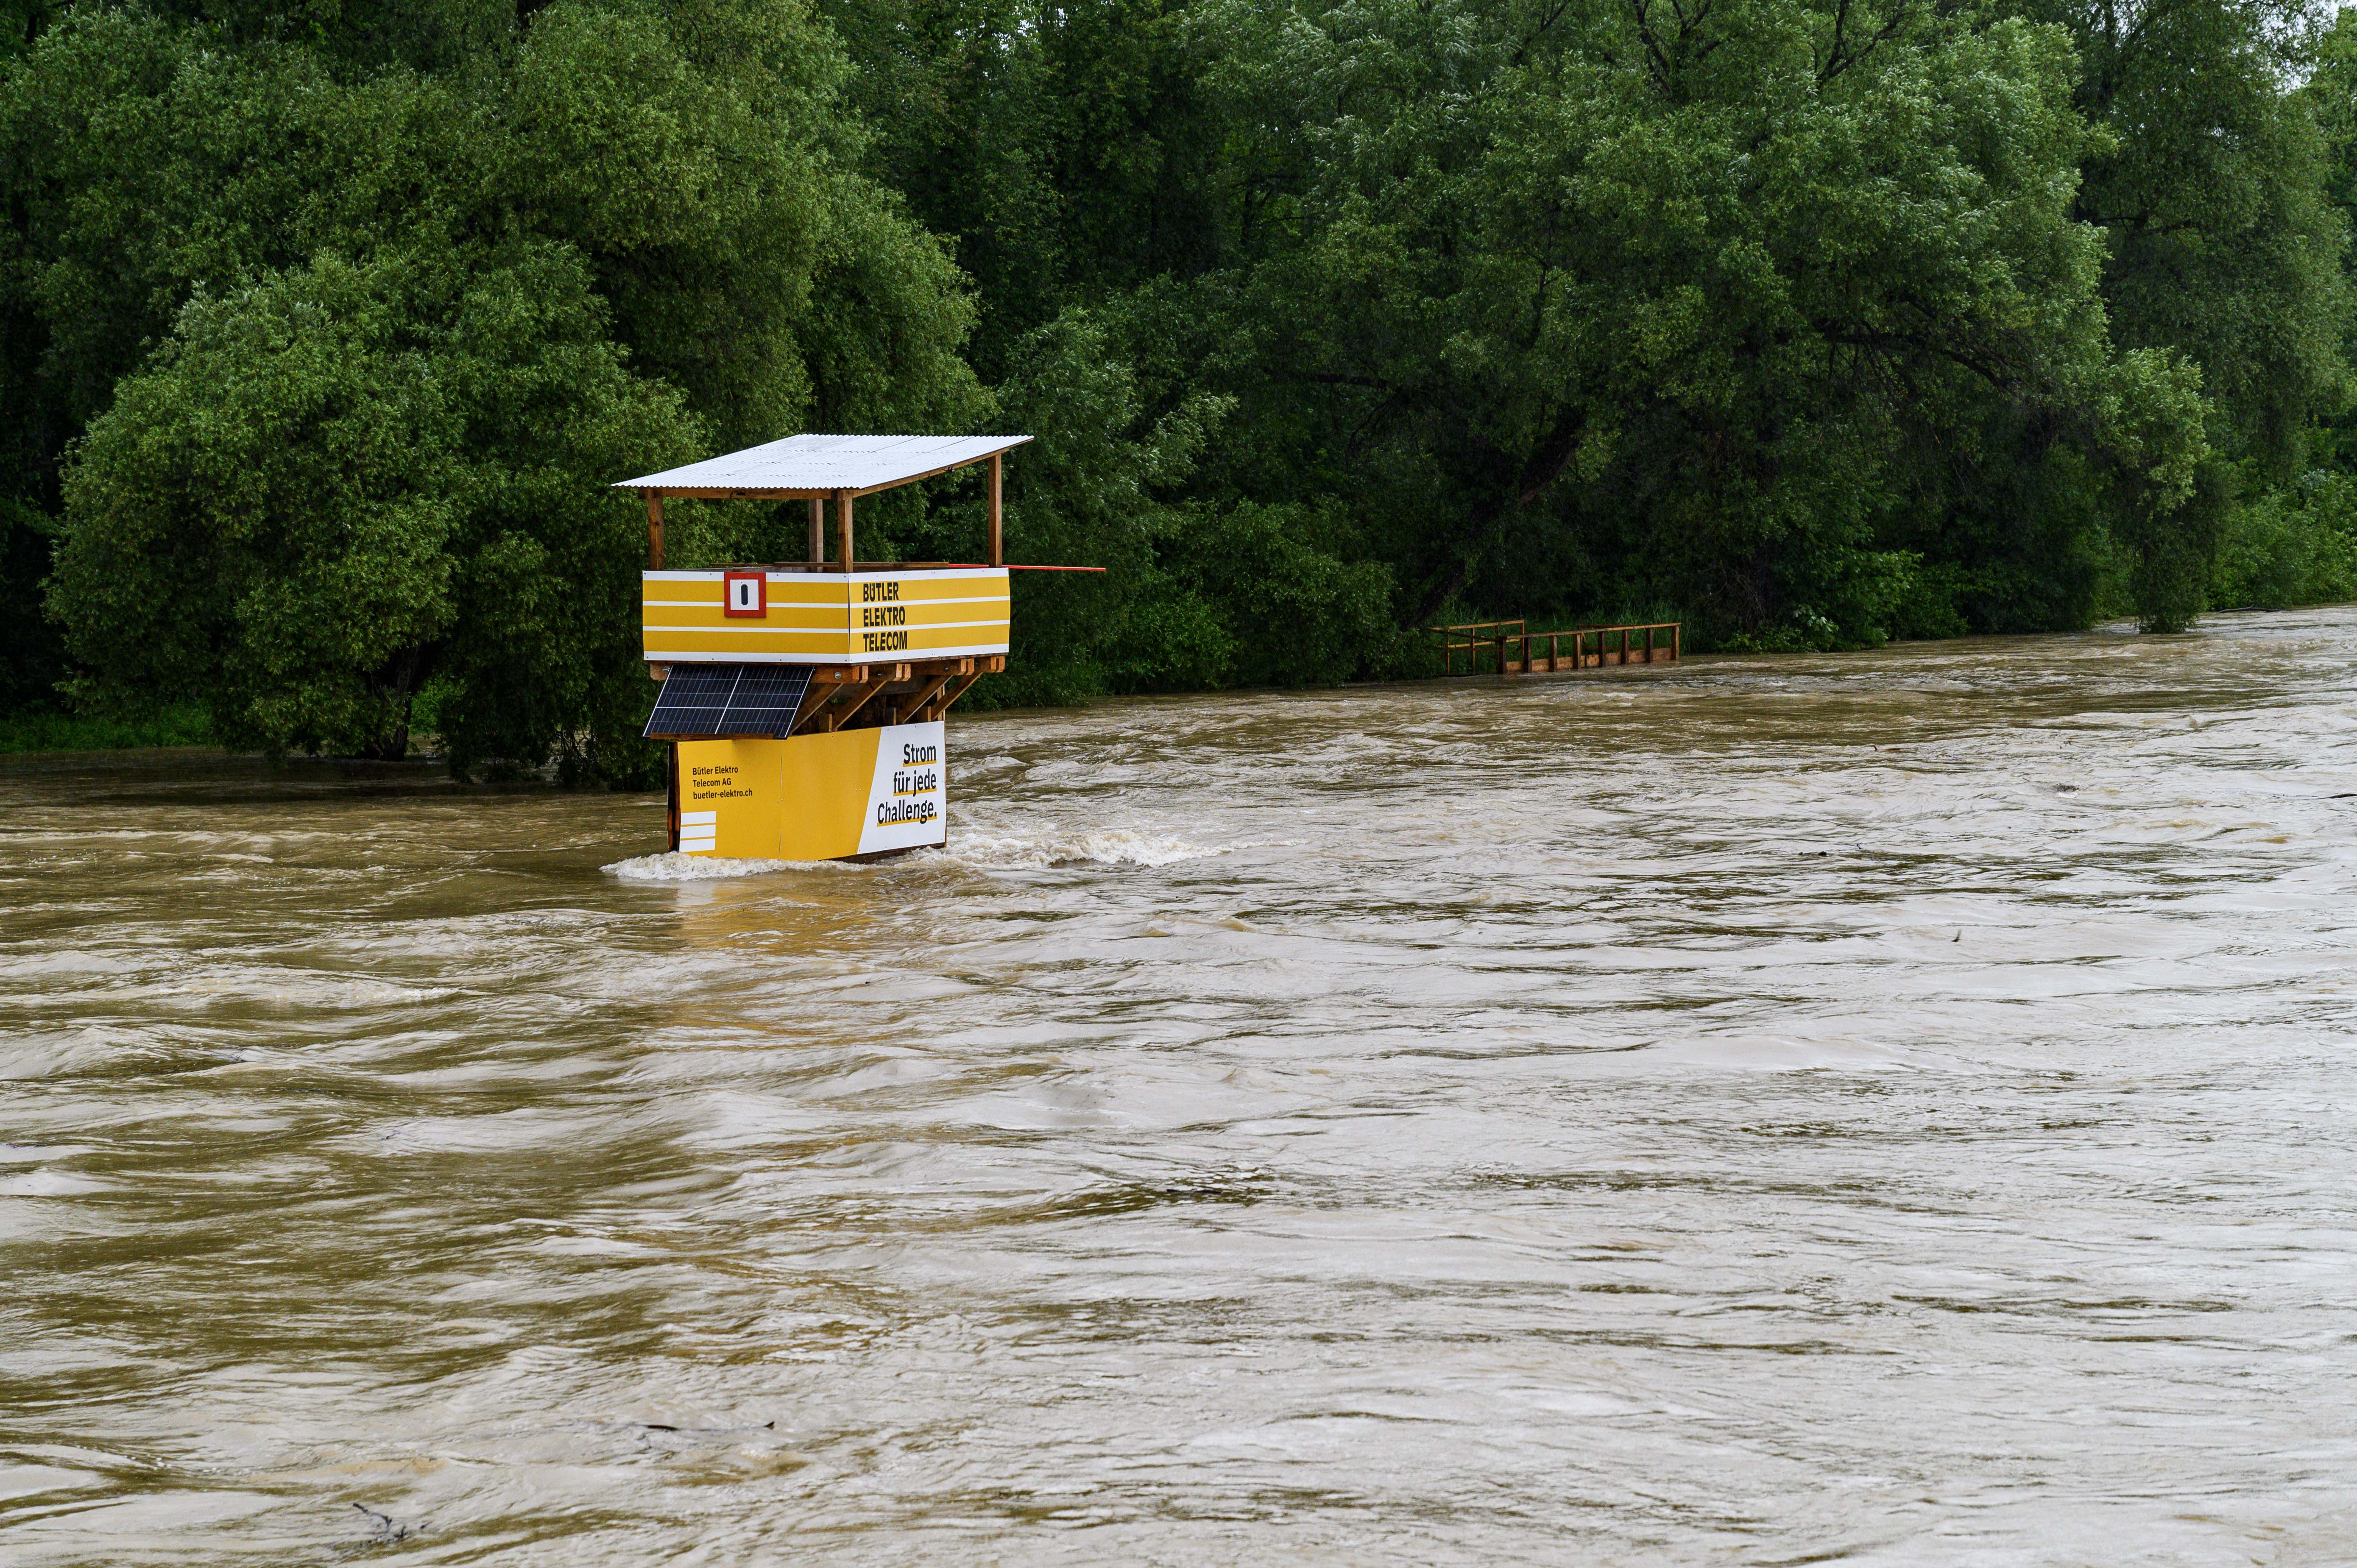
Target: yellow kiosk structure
805, 700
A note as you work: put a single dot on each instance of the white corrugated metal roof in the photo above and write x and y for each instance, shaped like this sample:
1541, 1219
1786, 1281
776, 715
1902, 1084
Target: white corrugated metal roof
828, 463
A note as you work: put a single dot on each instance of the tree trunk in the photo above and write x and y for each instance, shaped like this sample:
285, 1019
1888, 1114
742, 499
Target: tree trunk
1542, 468
394, 685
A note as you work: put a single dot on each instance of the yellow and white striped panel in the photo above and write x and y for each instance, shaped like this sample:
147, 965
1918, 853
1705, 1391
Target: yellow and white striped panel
823, 618
927, 614
681, 620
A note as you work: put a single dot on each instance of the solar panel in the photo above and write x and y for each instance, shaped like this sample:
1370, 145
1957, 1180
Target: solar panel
728, 699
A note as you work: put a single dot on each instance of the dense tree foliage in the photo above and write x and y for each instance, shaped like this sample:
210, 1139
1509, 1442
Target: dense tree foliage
329, 332
1810, 322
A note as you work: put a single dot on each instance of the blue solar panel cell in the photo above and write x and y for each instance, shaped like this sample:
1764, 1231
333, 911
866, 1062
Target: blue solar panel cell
709, 700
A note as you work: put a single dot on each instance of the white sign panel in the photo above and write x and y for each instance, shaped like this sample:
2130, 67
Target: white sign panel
907, 804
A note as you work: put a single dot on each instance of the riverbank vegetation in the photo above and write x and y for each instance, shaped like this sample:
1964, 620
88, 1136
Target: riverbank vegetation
1811, 323
49, 730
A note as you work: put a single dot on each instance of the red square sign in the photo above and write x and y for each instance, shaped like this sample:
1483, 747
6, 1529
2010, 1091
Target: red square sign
747, 594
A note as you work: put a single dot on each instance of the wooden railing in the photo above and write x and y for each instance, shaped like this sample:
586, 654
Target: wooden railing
1516, 651
1476, 637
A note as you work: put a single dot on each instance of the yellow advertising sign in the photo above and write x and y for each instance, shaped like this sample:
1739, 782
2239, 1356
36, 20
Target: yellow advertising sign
823, 618
814, 797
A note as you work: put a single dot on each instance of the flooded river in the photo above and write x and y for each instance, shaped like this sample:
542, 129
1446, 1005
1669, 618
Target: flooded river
1893, 1108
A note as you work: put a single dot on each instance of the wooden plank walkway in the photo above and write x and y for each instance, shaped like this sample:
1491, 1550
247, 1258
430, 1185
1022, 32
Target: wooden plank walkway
1517, 651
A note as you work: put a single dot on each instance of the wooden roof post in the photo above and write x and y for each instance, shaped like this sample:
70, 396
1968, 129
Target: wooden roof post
843, 524
997, 532
655, 531
818, 530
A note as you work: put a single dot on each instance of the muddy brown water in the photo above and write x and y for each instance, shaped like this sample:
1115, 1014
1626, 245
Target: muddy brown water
1887, 1108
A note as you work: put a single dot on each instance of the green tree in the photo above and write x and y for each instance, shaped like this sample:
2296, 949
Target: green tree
681, 179
1070, 153
2208, 177
1668, 297
2209, 180
343, 480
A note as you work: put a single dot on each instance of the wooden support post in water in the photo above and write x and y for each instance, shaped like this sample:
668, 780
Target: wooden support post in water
655, 531
671, 795
998, 530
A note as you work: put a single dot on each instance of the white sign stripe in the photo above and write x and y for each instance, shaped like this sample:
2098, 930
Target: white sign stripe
907, 573
836, 631
909, 796
829, 605
734, 656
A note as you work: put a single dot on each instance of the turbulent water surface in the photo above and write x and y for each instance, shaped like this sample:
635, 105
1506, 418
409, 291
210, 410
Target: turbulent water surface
1893, 1108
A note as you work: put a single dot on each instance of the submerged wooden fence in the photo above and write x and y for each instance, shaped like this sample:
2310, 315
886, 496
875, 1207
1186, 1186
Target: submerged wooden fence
1516, 651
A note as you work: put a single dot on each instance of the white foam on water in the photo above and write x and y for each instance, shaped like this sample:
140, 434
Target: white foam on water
982, 851
1111, 846
676, 867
